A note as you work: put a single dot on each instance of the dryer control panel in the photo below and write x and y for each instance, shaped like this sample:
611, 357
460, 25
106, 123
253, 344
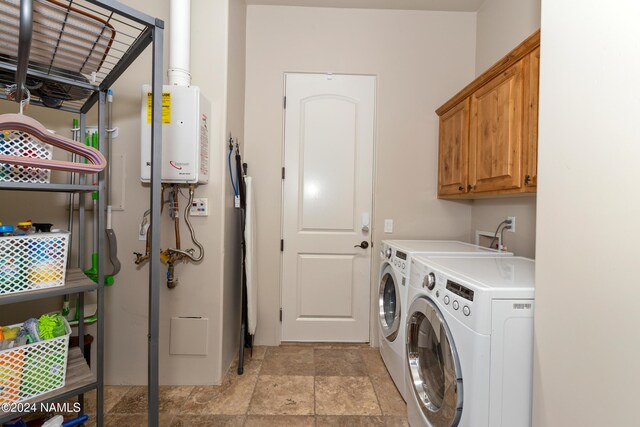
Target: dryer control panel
399, 259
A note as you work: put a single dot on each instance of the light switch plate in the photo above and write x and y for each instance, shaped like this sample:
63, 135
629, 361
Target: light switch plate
142, 235
388, 226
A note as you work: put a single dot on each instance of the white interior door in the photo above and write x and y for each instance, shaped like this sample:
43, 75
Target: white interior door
328, 188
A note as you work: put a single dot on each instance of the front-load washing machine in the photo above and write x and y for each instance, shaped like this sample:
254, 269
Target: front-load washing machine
469, 342
394, 272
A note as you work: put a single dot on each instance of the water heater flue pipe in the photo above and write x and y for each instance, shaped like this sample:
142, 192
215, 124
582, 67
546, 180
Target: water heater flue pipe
180, 43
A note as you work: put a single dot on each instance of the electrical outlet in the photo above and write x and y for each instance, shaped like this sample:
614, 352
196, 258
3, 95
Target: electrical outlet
388, 226
512, 226
199, 207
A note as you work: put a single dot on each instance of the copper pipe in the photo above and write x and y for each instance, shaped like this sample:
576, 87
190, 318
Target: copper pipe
176, 215
162, 198
171, 279
142, 258
189, 252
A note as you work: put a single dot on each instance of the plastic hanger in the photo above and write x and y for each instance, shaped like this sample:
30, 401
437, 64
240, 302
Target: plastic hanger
30, 126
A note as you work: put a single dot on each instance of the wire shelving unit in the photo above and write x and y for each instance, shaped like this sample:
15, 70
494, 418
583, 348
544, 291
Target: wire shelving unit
67, 54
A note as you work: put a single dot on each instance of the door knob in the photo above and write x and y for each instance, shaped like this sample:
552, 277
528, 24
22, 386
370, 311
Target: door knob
363, 245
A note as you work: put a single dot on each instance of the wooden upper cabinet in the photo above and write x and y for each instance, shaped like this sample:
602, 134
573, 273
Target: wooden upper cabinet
495, 142
530, 147
453, 150
488, 139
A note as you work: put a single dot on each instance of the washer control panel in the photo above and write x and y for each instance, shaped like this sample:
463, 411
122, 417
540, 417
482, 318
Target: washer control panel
459, 290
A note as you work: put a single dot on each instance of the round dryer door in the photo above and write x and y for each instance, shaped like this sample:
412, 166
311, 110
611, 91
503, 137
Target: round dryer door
389, 304
436, 380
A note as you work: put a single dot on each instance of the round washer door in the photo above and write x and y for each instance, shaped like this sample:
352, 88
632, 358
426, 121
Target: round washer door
389, 304
436, 378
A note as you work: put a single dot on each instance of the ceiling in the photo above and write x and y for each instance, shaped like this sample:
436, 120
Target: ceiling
441, 5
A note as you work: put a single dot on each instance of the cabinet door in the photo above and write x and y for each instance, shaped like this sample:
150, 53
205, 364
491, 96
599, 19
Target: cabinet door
530, 155
453, 150
495, 147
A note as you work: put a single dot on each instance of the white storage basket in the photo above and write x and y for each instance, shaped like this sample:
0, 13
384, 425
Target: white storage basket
17, 143
33, 261
32, 370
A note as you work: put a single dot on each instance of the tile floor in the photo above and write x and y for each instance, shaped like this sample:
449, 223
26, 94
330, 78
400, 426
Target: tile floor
291, 385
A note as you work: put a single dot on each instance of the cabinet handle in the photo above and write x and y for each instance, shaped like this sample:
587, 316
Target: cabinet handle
527, 179
461, 188
469, 187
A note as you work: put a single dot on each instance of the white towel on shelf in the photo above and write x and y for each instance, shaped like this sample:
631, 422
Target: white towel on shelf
251, 265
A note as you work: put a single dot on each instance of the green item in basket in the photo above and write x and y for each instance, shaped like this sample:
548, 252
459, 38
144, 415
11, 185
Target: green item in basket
44, 361
51, 326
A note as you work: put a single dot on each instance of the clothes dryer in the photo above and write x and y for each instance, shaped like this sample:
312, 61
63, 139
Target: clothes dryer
469, 342
395, 264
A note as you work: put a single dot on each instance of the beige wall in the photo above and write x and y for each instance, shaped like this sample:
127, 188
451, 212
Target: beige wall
201, 291
586, 332
501, 26
487, 214
410, 52
235, 126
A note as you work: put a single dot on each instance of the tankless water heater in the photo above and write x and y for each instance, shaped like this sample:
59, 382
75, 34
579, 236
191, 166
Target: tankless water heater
185, 135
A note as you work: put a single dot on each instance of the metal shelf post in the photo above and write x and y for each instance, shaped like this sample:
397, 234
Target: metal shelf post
154, 267
24, 47
102, 259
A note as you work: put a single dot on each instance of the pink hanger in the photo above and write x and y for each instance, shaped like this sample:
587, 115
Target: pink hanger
26, 124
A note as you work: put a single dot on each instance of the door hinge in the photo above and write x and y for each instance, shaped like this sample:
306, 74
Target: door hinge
281, 315
281, 245
283, 172
284, 102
